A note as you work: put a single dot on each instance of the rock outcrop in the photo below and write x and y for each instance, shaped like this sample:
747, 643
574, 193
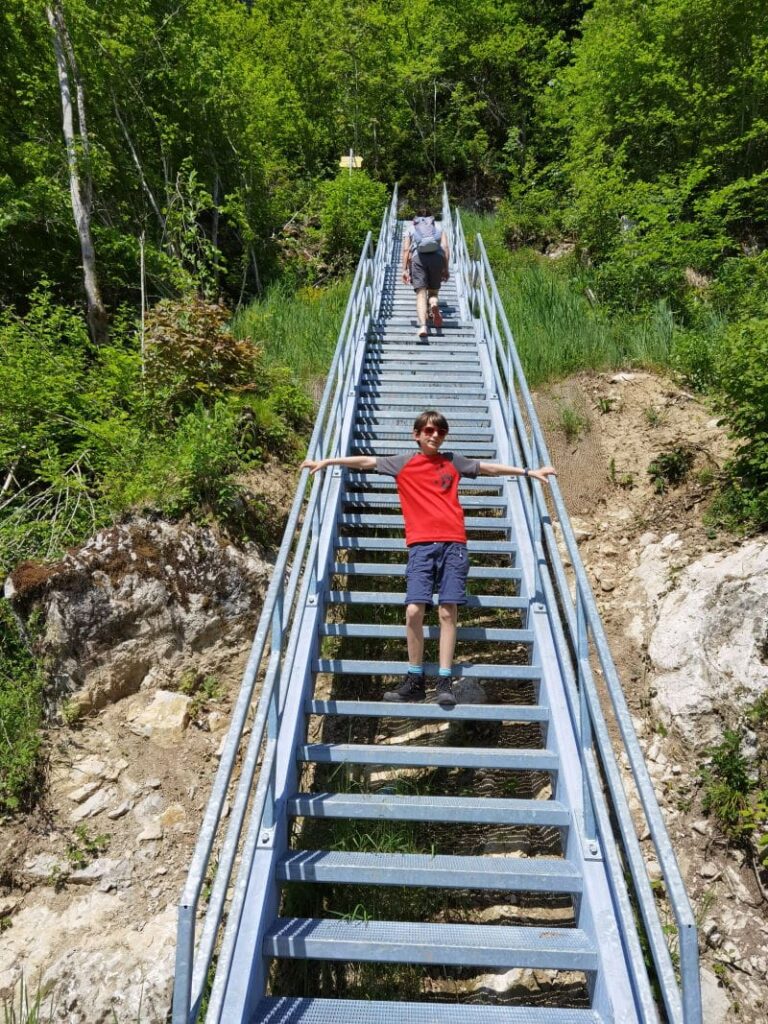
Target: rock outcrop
137, 605
708, 635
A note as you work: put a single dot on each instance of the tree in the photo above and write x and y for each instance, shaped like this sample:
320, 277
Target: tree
78, 156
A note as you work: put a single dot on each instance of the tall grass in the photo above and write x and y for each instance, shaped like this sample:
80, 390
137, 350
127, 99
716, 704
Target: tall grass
297, 329
557, 329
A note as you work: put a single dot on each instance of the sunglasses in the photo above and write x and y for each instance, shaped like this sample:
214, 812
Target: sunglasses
432, 431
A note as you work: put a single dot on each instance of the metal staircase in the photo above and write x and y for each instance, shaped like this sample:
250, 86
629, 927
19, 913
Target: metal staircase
509, 807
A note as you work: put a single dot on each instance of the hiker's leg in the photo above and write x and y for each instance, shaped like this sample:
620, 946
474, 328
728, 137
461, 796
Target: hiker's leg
414, 633
449, 618
421, 306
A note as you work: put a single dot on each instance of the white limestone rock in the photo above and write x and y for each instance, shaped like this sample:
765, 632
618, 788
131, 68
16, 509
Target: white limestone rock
164, 719
99, 966
707, 649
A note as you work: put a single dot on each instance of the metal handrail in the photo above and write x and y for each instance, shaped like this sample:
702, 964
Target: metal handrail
271, 656
579, 638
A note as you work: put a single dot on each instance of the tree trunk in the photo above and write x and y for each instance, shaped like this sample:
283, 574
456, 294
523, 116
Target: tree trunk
79, 189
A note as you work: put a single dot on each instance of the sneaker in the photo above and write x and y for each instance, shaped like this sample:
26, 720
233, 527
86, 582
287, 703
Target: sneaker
436, 316
411, 689
422, 334
445, 695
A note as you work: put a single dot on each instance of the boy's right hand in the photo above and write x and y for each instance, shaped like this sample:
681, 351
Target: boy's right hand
313, 465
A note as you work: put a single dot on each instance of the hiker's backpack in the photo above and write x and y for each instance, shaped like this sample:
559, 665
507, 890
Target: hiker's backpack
426, 234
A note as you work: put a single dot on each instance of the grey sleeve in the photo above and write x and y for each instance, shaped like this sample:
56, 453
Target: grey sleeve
465, 466
391, 465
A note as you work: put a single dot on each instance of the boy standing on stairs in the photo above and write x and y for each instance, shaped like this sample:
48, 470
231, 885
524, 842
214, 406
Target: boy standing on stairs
425, 266
428, 487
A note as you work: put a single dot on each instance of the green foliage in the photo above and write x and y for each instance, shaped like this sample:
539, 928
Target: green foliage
25, 1008
85, 435
737, 798
351, 205
743, 403
21, 715
670, 468
557, 330
83, 847
297, 329
192, 357
573, 423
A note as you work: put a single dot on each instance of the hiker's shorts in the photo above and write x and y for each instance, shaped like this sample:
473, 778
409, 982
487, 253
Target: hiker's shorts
440, 566
427, 270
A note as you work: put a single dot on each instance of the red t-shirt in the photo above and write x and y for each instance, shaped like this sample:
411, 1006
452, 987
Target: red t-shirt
428, 486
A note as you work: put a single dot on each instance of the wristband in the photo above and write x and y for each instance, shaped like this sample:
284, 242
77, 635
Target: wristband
526, 472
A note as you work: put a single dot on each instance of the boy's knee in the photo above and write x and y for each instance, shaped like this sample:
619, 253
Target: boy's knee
448, 612
414, 614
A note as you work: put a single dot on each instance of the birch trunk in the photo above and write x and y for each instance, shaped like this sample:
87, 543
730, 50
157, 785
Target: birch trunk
79, 190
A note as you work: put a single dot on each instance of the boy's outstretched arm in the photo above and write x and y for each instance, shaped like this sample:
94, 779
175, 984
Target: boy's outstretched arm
498, 469
364, 463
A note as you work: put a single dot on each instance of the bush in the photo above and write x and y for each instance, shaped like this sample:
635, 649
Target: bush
21, 715
192, 356
350, 206
742, 400
529, 217
85, 436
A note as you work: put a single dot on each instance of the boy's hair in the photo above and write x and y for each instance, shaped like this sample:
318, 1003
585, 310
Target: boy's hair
423, 211
430, 417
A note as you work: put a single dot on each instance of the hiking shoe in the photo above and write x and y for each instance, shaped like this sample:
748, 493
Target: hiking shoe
411, 689
445, 695
436, 316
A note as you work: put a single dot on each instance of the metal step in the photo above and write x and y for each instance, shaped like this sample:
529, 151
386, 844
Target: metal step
464, 945
390, 419
385, 412
513, 874
502, 759
289, 1010
391, 598
473, 634
386, 483
476, 572
351, 667
424, 397
391, 500
494, 523
461, 712
458, 809
477, 547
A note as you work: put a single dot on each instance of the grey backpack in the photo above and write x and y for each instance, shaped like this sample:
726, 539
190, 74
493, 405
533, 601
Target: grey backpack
426, 234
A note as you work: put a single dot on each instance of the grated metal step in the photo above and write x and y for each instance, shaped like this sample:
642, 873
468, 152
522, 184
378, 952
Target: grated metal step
375, 631
476, 572
287, 1010
458, 809
393, 598
505, 759
396, 521
509, 874
477, 547
390, 500
465, 945
471, 712
353, 667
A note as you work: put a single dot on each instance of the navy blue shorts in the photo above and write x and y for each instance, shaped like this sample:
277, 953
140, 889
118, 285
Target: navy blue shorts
440, 566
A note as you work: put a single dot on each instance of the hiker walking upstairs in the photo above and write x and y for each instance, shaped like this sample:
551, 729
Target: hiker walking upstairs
425, 266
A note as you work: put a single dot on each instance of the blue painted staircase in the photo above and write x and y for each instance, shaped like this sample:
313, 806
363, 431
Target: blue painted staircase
492, 837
